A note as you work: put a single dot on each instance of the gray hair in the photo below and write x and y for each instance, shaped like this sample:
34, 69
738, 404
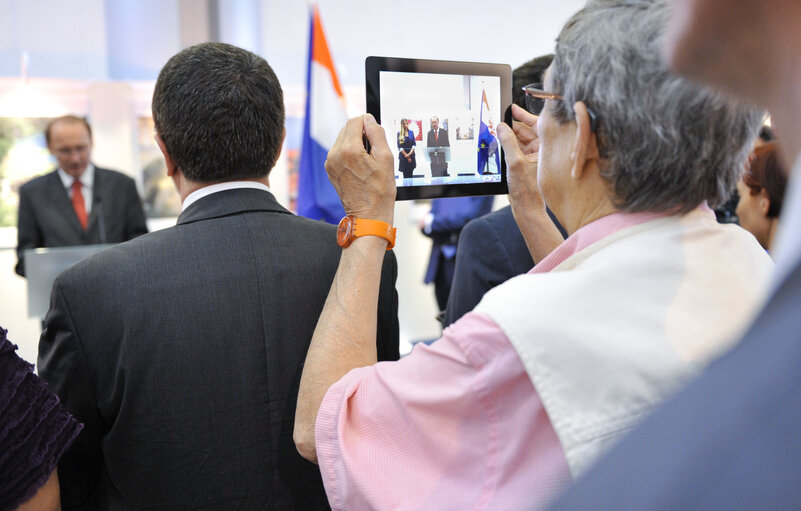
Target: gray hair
666, 144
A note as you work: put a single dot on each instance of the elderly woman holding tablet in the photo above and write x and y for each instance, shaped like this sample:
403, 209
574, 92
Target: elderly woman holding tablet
525, 392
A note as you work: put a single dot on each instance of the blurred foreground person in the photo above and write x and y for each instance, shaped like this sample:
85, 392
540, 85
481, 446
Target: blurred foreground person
523, 394
730, 440
34, 433
181, 350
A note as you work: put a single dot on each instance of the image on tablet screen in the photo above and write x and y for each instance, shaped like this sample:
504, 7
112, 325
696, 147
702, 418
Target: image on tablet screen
442, 127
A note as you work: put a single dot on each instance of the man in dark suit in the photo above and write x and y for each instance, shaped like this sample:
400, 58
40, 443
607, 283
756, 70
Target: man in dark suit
78, 203
491, 250
181, 351
443, 224
438, 137
731, 439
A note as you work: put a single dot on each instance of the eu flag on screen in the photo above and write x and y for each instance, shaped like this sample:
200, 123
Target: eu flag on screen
487, 142
325, 117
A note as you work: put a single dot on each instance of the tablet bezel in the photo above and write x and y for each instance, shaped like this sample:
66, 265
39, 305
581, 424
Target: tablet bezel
373, 66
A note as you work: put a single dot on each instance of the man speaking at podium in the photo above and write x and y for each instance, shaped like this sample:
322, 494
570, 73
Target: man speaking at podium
78, 203
438, 137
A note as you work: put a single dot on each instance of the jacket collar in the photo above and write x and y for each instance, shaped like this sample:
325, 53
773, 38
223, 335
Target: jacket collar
231, 202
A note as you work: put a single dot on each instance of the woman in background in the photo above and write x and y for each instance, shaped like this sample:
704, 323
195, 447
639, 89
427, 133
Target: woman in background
406, 160
761, 192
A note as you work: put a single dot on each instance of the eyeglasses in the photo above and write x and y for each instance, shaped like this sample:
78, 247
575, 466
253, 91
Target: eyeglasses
535, 102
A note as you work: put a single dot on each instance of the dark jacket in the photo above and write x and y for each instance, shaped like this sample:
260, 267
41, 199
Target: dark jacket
181, 351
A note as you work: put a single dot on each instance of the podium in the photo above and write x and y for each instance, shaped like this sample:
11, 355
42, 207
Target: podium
438, 157
42, 266
437, 154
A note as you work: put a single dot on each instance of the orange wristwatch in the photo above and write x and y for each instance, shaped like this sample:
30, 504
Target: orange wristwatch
351, 228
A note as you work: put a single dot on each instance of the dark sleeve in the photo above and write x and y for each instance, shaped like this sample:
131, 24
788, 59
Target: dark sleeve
35, 430
482, 262
454, 218
28, 234
63, 365
387, 334
135, 223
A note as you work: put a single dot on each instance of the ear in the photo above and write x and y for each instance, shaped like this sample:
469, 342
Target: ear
764, 202
585, 149
171, 167
281, 145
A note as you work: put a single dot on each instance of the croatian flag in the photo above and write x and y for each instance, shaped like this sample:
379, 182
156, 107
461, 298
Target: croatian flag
325, 117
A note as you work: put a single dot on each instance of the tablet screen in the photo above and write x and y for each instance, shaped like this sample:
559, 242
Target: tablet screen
440, 119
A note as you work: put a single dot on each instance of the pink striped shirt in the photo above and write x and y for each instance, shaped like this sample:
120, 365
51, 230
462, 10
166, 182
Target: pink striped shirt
454, 425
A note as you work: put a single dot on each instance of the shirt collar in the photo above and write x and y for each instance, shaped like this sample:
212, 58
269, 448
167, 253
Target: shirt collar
219, 187
87, 178
595, 231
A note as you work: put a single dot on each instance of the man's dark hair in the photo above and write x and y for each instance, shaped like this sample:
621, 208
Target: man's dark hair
219, 110
530, 72
67, 118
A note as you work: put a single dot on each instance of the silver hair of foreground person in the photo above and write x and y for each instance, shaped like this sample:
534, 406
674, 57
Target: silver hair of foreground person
665, 142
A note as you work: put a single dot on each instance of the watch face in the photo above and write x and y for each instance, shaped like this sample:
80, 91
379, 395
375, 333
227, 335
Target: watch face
344, 230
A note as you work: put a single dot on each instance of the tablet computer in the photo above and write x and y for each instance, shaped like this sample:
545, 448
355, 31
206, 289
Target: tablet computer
440, 118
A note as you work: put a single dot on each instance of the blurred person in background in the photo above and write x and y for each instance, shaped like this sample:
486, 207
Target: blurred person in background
761, 190
77, 203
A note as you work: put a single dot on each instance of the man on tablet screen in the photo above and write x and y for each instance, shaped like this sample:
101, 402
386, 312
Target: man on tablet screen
438, 137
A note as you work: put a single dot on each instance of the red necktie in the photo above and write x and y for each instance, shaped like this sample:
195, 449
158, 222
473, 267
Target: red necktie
78, 204
436, 136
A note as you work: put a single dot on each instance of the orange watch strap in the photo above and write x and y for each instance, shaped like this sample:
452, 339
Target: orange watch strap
365, 227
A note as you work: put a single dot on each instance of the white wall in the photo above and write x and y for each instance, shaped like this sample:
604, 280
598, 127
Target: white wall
63, 39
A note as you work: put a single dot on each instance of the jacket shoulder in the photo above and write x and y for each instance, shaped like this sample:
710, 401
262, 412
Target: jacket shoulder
38, 182
112, 175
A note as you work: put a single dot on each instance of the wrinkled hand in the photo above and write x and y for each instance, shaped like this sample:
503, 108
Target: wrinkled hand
364, 182
521, 147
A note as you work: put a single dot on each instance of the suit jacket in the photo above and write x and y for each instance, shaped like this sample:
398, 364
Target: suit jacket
491, 251
441, 139
47, 218
730, 440
181, 351
449, 217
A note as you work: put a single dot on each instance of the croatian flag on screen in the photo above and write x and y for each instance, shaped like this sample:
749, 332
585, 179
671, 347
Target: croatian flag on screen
325, 117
